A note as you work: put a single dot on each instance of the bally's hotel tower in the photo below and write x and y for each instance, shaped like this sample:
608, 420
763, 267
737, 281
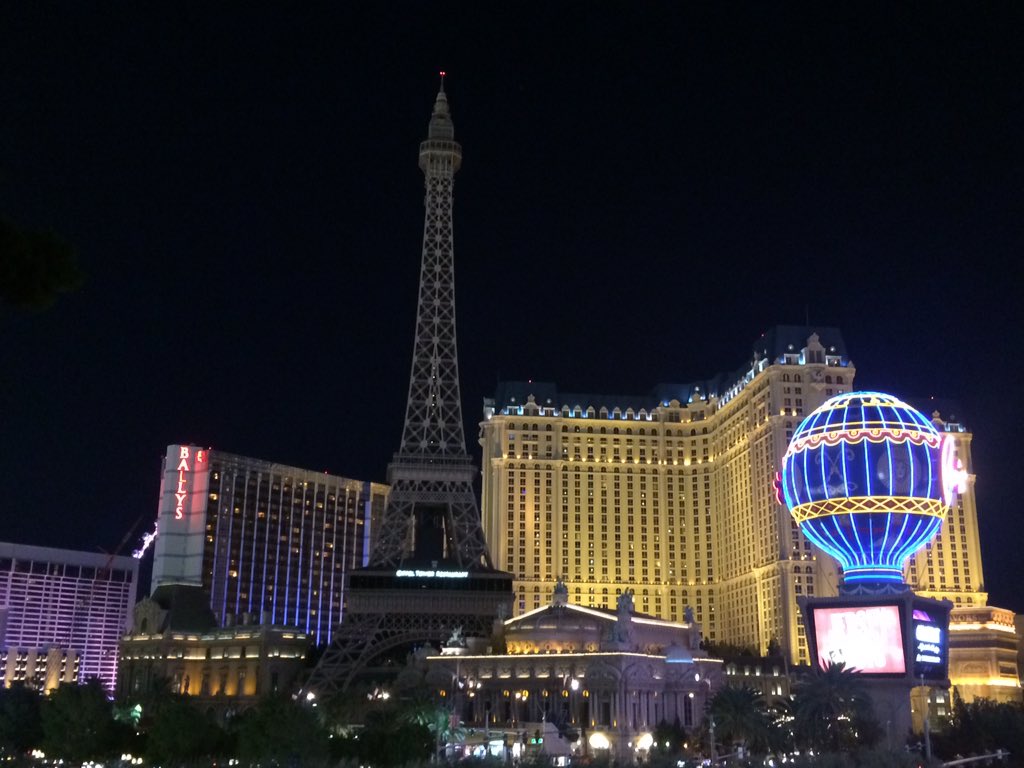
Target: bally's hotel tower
266, 541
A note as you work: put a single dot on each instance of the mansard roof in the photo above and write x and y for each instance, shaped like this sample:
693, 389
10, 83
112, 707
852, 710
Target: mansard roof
773, 345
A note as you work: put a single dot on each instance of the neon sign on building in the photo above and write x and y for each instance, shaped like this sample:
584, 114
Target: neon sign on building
184, 472
181, 520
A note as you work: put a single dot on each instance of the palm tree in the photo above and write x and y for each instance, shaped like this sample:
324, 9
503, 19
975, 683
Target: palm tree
741, 716
833, 712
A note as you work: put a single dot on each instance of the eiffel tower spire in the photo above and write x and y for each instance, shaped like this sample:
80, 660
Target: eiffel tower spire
432, 512
433, 413
429, 572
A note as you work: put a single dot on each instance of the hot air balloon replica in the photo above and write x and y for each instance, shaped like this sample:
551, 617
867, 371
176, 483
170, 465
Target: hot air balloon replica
869, 480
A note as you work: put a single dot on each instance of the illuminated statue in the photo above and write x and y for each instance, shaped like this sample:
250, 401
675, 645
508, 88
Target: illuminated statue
456, 640
624, 605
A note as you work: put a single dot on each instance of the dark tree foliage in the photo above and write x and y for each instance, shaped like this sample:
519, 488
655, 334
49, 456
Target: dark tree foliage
391, 735
78, 723
741, 717
833, 712
181, 733
982, 727
279, 729
728, 650
863, 758
21, 727
669, 738
35, 267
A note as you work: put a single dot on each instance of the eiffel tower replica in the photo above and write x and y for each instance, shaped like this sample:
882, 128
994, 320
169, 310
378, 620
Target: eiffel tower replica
430, 573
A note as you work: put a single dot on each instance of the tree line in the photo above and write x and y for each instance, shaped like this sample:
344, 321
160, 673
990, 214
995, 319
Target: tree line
827, 722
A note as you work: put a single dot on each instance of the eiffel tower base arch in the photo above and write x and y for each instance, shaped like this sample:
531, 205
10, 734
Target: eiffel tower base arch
387, 610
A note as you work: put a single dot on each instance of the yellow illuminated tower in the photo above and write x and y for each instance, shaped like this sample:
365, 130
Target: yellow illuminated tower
671, 494
949, 567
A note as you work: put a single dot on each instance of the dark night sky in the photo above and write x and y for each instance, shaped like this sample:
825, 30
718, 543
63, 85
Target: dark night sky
644, 192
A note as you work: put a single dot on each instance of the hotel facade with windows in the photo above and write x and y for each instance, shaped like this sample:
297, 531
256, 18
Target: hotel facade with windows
62, 614
671, 494
265, 541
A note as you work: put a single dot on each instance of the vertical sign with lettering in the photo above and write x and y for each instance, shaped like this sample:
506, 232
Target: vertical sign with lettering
189, 458
181, 520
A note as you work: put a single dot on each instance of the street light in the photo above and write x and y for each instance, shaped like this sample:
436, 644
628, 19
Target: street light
574, 686
711, 716
927, 718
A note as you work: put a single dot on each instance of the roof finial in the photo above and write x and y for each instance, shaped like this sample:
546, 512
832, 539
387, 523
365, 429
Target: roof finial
441, 120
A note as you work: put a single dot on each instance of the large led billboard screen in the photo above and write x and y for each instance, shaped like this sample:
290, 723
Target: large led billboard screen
868, 638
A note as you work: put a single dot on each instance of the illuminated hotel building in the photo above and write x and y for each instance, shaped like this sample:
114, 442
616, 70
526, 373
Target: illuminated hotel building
266, 541
671, 494
62, 614
175, 643
949, 567
983, 654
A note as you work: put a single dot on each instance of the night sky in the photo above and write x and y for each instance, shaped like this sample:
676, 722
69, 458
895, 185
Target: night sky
644, 192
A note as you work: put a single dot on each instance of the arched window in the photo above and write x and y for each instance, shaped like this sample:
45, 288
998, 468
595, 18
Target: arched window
797, 377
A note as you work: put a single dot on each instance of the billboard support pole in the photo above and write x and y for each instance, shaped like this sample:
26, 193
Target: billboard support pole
927, 724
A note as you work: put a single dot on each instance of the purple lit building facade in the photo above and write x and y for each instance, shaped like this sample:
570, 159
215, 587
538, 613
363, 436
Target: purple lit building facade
267, 542
62, 614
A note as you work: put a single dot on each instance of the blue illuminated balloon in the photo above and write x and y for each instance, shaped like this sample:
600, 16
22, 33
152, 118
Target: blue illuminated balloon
863, 478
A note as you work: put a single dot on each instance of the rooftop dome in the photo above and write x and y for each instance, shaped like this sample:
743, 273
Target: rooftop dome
676, 654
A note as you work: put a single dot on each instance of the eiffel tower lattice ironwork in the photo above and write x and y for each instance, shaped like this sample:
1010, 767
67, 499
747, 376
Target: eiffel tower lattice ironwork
432, 469
431, 524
